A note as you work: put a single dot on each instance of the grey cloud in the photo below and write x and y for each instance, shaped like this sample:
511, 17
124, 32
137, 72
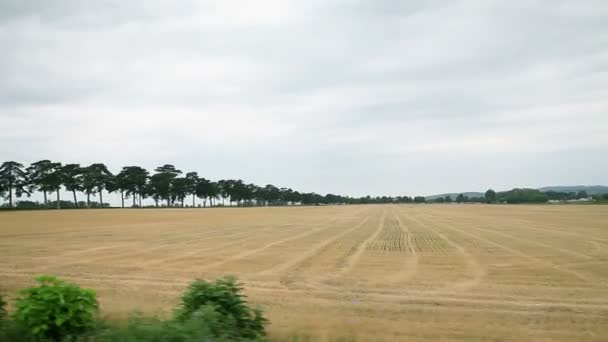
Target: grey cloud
330, 96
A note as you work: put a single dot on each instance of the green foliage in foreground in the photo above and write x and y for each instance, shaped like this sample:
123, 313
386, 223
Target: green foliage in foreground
208, 325
222, 300
2, 309
58, 311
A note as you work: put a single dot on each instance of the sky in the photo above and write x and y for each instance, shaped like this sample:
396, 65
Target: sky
358, 97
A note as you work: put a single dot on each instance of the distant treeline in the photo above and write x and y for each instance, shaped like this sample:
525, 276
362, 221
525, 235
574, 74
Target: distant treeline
518, 196
169, 186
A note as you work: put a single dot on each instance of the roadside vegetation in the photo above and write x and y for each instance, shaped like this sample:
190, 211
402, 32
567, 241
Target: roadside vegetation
56, 311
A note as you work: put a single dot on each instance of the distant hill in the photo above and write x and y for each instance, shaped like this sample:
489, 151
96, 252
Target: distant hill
590, 189
454, 195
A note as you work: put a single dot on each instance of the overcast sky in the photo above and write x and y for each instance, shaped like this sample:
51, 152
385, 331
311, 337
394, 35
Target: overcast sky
346, 96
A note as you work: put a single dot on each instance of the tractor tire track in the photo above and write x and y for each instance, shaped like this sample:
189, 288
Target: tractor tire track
562, 250
471, 262
351, 261
411, 260
265, 247
578, 275
293, 266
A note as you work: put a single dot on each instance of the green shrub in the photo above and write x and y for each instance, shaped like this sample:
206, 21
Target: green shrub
151, 329
11, 332
223, 308
2, 309
55, 310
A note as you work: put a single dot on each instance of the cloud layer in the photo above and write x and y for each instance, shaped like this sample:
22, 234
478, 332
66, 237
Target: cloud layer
353, 97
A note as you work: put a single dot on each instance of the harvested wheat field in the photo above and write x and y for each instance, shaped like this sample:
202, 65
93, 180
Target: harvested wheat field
378, 273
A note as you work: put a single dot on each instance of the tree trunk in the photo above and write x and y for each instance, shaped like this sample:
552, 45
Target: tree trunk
122, 198
88, 199
45, 200
101, 198
156, 201
10, 195
205, 202
58, 204
193, 200
134, 197
183, 202
75, 201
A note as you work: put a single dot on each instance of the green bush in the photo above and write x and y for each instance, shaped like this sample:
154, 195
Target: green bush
58, 311
55, 310
2, 309
223, 308
150, 329
11, 332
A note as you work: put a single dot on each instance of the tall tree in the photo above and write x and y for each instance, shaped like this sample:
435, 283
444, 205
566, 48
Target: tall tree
104, 176
213, 193
2, 189
72, 179
121, 183
249, 192
295, 197
115, 183
285, 195
192, 181
88, 183
95, 177
180, 188
150, 189
224, 189
13, 179
203, 190
37, 174
161, 181
134, 179
53, 181
271, 193
237, 191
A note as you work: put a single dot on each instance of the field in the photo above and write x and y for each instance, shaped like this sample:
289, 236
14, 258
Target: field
379, 273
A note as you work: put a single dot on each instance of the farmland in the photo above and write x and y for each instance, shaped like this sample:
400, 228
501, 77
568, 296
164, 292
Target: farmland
415, 273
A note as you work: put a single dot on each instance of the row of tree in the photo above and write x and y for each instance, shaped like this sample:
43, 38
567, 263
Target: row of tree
168, 186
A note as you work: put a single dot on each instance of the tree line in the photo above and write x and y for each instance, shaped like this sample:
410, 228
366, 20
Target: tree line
514, 196
521, 196
167, 186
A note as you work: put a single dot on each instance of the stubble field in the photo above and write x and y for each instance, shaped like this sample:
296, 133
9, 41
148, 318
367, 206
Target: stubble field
378, 273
